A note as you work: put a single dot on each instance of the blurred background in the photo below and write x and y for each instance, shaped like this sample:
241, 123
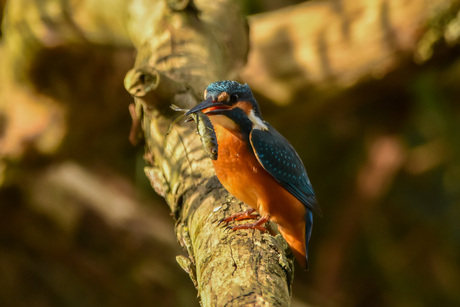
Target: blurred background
366, 91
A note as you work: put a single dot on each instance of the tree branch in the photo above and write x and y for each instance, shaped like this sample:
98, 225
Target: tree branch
187, 47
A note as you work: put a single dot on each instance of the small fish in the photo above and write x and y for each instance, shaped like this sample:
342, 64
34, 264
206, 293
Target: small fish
207, 134
205, 130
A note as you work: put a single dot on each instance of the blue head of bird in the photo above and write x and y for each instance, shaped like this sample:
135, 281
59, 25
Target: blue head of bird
233, 100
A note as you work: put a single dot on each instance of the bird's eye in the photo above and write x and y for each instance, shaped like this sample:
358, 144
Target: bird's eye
234, 98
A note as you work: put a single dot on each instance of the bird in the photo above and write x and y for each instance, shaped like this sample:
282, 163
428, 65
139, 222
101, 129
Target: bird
258, 166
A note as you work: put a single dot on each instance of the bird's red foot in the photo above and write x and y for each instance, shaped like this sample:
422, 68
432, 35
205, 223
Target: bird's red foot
257, 225
245, 215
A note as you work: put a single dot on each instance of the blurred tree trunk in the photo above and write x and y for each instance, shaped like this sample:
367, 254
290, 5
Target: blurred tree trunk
317, 50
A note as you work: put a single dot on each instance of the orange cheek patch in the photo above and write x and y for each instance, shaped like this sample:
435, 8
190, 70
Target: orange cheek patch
244, 105
223, 97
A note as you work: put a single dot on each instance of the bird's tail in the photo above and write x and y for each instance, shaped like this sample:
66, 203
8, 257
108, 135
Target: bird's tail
308, 228
298, 238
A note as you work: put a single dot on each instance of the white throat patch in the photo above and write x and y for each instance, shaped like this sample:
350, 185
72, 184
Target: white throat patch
257, 122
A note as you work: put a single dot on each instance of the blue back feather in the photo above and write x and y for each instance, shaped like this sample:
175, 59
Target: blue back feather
281, 161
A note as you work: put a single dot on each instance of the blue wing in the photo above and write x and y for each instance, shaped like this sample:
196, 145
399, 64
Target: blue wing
281, 161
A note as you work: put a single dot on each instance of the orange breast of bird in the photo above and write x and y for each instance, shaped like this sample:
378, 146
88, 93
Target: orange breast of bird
244, 177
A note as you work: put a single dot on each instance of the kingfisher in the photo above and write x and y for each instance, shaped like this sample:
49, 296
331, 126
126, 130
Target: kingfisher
258, 166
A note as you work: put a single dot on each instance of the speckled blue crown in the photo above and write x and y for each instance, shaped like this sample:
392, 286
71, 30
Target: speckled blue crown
227, 86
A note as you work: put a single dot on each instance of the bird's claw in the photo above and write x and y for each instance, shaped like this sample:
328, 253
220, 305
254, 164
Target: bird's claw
222, 221
259, 225
241, 216
246, 215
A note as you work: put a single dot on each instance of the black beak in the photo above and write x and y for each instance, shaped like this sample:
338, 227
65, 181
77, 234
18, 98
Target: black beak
214, 106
